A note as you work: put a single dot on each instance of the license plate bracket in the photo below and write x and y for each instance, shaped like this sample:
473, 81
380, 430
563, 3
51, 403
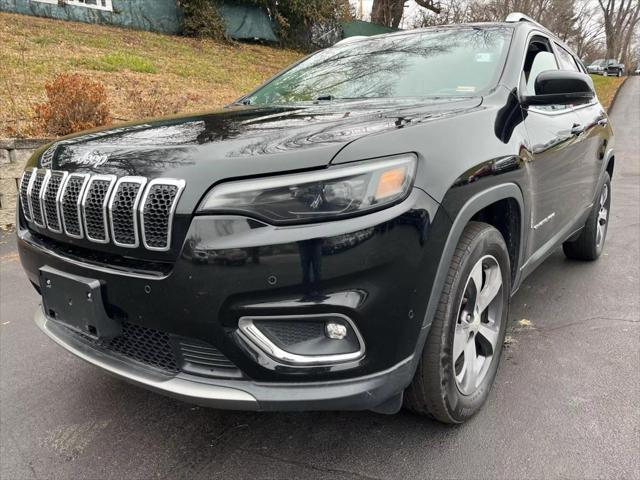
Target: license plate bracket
77, 302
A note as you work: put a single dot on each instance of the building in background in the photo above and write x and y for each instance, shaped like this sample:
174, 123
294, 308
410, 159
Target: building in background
243, 21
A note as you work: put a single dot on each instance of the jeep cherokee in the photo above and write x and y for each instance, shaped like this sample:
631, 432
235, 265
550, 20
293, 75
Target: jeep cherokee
346, 236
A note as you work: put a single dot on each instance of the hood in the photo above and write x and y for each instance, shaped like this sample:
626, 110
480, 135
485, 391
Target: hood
242, 140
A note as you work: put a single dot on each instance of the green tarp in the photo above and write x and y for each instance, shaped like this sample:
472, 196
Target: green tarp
356, 28
246, 22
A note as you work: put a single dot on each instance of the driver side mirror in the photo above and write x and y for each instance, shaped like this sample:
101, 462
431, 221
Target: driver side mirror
561, 87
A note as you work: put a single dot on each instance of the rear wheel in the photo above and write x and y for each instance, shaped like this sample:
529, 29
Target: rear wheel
462, 351
589, 245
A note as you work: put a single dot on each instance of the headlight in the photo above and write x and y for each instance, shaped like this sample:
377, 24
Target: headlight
320, 195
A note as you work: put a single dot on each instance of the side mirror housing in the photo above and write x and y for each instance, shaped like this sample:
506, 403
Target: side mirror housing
561, 87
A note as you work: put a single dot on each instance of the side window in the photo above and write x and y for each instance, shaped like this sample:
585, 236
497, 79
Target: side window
566, 60
539, 58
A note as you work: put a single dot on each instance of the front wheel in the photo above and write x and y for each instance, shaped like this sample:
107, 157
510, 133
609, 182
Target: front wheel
462, 351
589, 245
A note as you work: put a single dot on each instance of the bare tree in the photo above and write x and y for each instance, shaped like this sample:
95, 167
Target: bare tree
390, 12
620, 18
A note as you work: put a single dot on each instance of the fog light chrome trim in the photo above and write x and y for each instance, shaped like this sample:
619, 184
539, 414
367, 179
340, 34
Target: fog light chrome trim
255, 339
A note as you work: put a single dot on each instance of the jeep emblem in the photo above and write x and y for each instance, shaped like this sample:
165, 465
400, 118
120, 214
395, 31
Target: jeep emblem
93, 158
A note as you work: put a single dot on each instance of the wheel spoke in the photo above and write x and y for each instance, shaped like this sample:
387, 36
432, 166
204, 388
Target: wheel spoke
468, 373
491, 288
476, 277
490, 333
603, 197
460, 338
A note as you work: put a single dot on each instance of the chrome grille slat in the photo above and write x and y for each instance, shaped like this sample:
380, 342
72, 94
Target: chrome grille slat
42, 178
70, 199
123, 209
128, 211
94, 207
50, 200
157, 210
25, 181
33, 194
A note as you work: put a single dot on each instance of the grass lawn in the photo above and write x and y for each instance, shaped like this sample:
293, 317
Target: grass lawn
606, 88
145, 74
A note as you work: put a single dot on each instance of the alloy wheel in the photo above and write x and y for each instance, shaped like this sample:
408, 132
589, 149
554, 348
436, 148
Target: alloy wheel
478, 326
603, 216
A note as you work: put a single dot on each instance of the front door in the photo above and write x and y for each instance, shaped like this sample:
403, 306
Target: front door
554, 135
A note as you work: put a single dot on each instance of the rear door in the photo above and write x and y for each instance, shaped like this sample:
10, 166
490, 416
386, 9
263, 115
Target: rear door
553, 133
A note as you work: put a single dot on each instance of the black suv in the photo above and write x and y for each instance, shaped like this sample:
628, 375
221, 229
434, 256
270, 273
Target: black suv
347, 236
613, 68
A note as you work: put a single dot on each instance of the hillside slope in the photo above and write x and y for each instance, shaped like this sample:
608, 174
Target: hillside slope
146, 74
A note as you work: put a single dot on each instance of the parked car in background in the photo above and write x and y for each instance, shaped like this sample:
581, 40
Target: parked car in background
347, 236
613, 68
637, 70
597, 66
607, 67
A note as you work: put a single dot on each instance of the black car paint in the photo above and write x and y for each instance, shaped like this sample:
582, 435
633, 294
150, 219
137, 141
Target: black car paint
385, 269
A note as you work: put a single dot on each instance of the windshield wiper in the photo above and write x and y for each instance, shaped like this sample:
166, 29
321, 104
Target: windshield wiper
327, 98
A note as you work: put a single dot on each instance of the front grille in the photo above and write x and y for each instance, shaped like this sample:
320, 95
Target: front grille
24, 195
70, 204
157, 214
34, 197
100, 208
94, 206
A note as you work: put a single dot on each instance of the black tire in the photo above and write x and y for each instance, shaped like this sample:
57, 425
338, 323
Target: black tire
434, 391
586, 246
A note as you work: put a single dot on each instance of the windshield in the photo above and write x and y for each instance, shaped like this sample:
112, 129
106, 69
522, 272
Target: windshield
457, 62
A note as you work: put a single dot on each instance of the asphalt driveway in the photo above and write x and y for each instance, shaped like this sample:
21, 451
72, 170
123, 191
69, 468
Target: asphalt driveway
565, 403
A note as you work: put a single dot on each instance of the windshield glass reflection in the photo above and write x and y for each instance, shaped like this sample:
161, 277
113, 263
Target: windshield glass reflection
445, 62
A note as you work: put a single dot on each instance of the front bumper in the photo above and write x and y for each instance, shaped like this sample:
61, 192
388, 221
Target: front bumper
361, 393
376, 269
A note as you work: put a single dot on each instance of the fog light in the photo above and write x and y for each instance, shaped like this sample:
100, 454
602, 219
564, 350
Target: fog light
335, 331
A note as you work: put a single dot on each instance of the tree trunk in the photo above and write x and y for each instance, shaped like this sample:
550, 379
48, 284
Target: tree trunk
389, 12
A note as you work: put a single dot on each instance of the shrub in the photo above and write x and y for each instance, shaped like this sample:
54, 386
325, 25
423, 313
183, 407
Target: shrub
74, 103
202, 19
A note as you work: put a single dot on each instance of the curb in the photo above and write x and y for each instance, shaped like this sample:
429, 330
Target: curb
615, 96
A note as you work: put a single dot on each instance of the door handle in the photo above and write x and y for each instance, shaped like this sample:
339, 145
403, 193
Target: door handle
577, 129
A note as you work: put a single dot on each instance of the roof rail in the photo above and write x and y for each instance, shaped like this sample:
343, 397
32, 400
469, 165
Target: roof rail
521, 17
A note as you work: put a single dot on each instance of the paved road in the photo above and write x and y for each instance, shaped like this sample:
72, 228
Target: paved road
565, 403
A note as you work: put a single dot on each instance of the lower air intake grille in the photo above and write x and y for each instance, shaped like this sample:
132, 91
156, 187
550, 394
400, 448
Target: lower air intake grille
158, 349
142, 344
146, 345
